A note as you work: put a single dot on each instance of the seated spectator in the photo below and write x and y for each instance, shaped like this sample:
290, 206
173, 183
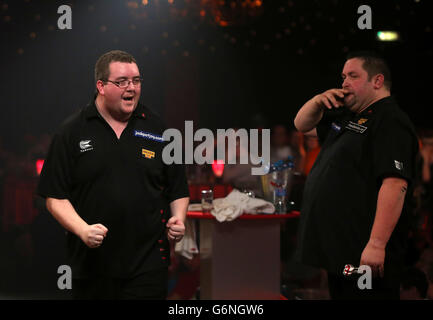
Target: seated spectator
239, 175
313, 149
296, 142
280, 149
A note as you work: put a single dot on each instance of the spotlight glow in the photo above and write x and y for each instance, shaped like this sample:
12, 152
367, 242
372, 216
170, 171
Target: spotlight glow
387, 36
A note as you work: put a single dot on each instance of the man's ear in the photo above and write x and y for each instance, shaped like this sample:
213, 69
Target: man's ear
100, 87
378, 81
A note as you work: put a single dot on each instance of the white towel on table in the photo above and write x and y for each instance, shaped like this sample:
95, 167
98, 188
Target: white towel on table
237, 203
195, 207
187, 247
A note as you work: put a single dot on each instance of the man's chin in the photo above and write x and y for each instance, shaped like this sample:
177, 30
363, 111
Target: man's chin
128, 107
349, 104
352, 109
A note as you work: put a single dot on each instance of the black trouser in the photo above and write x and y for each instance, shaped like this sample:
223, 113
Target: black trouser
150, 285
346, 288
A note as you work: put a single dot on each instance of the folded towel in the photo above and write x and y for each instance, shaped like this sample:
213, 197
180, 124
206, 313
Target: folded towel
195, 207
237, 203
187, 247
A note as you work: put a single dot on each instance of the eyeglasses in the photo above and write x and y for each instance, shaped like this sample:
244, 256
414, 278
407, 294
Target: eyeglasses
123, 84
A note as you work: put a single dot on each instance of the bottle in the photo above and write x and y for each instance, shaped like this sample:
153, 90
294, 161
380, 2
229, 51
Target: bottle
280, 189
280, 178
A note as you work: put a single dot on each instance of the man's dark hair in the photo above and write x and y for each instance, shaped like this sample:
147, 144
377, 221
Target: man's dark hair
102, 66
374, 64
414, 277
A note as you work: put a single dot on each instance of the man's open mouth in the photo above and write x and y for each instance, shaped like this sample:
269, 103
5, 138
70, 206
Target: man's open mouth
128, 98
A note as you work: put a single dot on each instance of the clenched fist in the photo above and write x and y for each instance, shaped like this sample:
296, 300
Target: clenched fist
176, 229
93, 235
374, 256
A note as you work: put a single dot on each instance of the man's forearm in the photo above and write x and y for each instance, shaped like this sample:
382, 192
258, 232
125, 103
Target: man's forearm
179, 208
309, 115
389, 206
63, 211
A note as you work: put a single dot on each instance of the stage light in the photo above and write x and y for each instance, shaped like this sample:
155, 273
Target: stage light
39, 165
387, 36
218, 168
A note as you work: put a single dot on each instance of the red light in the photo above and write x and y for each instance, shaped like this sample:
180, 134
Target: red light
218, 167
39, 165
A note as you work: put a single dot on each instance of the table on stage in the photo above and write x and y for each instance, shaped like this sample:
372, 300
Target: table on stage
240, 259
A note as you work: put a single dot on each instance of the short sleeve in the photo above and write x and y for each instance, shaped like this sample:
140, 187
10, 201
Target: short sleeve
177, 184
55, 178
394, 149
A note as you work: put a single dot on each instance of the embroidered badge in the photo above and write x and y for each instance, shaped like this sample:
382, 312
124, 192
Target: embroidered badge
362, 120
148, 135
356, 127
148, 154
85, 145
398, 165
335, 127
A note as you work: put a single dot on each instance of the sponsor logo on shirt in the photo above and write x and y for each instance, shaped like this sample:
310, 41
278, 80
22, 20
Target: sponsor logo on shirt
148, 154
335, 127
362, 120
85, 145
148, 135
398, 165
356, 127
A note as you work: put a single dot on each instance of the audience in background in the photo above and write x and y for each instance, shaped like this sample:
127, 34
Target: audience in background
19, 243
280, 148
238, 174
312, 148
296, 142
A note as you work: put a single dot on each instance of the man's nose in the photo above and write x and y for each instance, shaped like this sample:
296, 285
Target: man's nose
345, 84
130, 86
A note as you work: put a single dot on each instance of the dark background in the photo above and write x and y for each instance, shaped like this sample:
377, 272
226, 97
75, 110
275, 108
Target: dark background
268, 61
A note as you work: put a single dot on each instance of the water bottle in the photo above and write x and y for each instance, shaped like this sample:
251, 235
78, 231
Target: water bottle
280, 179
280, 200
275, 183
280, 183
